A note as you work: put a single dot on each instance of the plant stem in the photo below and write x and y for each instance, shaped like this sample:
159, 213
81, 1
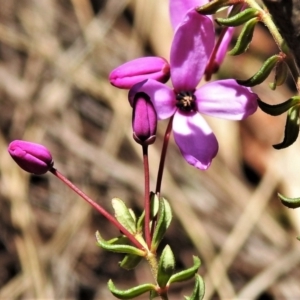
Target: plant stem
97, 207
163, 156
268, 21
147, 197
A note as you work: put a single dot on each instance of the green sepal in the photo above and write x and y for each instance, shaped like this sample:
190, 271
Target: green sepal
123, 215
214, 6
281, 73
166, 266
244, 38
186, 274
199, 289
240, 18
164, 220
289, 202
130, 293
291, 130
130, 261
118, 248
278, 109
262, 73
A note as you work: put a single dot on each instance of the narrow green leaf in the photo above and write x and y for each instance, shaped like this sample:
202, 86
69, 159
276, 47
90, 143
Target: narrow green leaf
117, 247
153, 294
164, 220
262, 74
186, 274
214, 6
235, 9
281, 73
130, 261
199, 289
166, 266
244, 38
278, 109
130, 293
291, 130
132, 215
123, 215
240, 18
154, 202
289, 202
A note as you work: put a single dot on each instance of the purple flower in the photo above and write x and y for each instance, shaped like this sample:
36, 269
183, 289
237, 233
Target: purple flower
179, 8
144, 120
137, 70
191, 49
31, 157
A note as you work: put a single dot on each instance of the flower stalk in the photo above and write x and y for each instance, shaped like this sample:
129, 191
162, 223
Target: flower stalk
147, 196
97, 207
163, 157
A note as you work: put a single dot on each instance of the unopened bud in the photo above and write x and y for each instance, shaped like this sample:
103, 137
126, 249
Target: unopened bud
31, 157
144, 120
137, 70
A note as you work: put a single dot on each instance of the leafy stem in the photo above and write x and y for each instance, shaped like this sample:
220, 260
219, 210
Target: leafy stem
266, 18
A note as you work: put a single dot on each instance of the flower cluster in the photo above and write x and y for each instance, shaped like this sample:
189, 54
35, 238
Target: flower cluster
191, 50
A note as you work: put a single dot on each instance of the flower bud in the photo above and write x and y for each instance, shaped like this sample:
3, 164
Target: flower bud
144, 120
137, 70
31, 157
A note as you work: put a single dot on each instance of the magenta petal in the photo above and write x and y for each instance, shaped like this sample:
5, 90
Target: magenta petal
178, 9
31, 157
162, 97
144, 120
191, 48
137, 70
226, 99
195, 139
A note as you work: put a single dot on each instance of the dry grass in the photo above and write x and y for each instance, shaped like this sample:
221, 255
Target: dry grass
54, 60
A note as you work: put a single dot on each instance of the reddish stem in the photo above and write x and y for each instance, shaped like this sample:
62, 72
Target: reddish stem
163, 156
97, 207
147, 196
211, 66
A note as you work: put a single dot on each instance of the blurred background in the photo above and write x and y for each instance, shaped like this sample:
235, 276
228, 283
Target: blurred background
55, 57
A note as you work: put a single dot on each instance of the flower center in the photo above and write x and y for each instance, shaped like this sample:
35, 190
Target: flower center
186, 101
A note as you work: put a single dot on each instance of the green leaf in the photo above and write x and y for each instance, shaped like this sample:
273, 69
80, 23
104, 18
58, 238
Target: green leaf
130, 261
244, 38
278, 109
154, 202
166, 267
291, 130
199, 289
289, 202
262, 74
281, 73
118, 248
153, 294
123, 215
186, 274
130, 293
164, 220
240, 18
214, 6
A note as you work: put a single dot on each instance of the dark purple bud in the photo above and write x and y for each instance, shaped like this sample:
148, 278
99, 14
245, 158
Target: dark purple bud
31, 157
137, 70
144, 120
